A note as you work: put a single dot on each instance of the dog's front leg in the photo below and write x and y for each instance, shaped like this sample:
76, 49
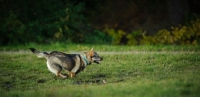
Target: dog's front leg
71, 74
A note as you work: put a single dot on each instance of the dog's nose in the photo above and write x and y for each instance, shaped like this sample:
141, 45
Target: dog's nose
101, 58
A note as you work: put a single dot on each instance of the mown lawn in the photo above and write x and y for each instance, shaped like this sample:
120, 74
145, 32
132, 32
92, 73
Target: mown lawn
129, 71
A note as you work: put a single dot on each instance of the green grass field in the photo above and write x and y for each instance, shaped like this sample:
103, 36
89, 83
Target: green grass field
126, 71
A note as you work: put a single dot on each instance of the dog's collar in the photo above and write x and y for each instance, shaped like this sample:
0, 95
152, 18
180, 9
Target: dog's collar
85, 59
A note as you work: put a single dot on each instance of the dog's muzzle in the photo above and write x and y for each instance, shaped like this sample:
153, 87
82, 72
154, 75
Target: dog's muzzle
98, 60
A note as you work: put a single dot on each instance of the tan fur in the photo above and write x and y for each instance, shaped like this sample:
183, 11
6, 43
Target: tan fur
73, 63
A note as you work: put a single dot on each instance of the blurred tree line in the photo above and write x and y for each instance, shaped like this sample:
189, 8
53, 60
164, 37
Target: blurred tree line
130, 22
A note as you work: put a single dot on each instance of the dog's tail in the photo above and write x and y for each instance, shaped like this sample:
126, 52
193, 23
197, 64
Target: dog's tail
38, 53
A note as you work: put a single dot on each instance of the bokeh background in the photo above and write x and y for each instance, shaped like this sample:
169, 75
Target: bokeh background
116, 22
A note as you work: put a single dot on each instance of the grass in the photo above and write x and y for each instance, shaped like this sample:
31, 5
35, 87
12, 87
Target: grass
131, 71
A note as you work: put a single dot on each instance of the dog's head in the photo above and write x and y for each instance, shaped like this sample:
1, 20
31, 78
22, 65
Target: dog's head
92, 56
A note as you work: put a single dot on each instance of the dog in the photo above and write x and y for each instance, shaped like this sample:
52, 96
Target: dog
72, 63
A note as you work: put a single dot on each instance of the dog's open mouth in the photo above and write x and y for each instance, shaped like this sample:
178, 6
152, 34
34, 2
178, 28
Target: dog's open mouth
97, 61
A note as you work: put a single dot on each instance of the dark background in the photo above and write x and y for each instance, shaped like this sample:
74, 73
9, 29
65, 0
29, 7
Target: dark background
85, 21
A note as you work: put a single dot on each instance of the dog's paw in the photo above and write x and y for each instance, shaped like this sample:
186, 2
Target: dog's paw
71, 74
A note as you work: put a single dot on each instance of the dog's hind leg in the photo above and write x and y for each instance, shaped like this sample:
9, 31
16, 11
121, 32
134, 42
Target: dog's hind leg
56, 69
60, 74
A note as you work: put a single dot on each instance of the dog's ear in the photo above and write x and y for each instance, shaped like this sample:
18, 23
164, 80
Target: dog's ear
91, 53
92, 50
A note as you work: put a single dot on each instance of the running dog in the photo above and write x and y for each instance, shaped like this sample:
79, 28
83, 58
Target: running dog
72, 63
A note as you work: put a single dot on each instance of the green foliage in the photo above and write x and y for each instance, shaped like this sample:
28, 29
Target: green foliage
181, 35
134, 37
97, 37
83, 21
45, 23
12, 30
184, 35
116, 35
48, 23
